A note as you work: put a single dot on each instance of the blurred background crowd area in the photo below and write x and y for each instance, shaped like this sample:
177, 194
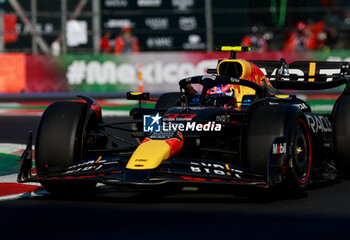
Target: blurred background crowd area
93, 26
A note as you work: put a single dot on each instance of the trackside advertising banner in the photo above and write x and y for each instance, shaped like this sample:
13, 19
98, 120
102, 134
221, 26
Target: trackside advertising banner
21, 72
157, 72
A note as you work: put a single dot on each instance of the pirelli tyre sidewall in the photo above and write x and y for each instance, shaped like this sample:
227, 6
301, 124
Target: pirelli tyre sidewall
59, 143
262, 125
341, 134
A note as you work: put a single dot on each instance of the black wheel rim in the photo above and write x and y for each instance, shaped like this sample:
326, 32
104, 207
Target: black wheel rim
301, 152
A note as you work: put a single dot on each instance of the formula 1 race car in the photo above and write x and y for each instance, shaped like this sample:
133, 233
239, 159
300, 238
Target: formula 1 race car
232, 126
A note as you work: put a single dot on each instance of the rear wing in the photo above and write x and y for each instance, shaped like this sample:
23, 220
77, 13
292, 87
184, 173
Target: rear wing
305, 75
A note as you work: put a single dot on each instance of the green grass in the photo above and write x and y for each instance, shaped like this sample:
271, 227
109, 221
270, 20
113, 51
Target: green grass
321, 106
124, 107
9, 164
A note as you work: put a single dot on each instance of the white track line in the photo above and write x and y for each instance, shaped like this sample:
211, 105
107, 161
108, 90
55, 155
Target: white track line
24, 195
9, 148
12, 178
107, 113
115, 113
322, 107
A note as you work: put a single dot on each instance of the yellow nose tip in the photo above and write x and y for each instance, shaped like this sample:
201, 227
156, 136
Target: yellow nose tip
149, 155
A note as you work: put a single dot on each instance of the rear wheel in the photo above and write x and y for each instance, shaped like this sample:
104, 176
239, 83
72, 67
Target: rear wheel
60, 142
341, 134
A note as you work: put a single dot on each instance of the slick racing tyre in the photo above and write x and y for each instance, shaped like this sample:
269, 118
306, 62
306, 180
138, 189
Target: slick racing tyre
264, 124
341, 134
60, 142
167, 100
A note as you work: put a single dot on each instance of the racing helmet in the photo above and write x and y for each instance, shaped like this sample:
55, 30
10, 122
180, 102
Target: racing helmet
222, 95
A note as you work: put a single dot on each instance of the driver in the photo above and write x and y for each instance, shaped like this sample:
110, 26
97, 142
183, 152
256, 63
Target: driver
222, 95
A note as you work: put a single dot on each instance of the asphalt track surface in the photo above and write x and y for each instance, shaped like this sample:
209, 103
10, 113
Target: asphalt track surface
322, 213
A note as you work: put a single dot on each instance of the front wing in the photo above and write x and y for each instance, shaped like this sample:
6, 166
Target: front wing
112, 170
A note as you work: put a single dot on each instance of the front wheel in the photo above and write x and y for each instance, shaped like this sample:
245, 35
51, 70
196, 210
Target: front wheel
60, 142
167, 100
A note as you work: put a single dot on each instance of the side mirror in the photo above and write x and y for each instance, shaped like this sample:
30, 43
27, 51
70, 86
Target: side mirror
137, 96
212, 71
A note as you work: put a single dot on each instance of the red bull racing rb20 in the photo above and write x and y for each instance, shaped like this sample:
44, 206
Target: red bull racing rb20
232, 126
